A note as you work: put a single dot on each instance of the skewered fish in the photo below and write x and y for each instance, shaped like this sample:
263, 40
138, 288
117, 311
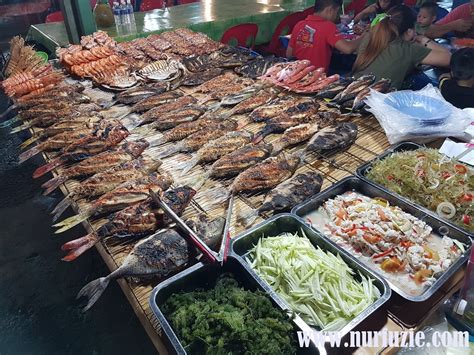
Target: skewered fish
198, 78
158, 255
333, 137
258, 67
267, 174
106, 181
98, 163
381, 86
165, 108
353, 89
218, 148
174, 118
155, 100
92, 144
294, 135
124, 195
196, 140
135, 221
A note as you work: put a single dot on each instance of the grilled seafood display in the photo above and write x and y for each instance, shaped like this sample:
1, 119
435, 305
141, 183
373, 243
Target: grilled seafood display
257, 67
166, 107
23, 58
132, 96
150, 102
198, 78
294, 135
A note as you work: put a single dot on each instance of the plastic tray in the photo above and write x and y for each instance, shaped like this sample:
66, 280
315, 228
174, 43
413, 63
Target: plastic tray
370, 190
404, 146
203, 276
288, 223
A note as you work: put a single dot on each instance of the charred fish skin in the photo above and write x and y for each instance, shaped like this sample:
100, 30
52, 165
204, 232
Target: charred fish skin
234, 163
383, 85
209, 230
333, 89
186, 114
166, 108
354, 88
294, 135
155, 100
198, 139
250, 104
292, 192
333, 137
132, 96
224, 145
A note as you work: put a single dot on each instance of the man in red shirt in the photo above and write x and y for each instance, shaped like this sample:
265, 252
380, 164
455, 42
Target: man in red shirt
315, 37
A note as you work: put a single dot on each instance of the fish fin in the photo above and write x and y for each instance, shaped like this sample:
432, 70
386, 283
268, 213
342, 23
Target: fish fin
29, 153
20, 128
197, 182
189, 164
173, 149
93, 290
142, 130
53, 184
9, 122
46, 168
78, 246
60, 208
28, 142
248, 219
159, 141
214, 107
6, 112
70, 222
217, 195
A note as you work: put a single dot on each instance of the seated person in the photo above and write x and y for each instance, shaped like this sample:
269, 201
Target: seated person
458, 87
315, 37
379, 7
390, 51
426, 17
460, 20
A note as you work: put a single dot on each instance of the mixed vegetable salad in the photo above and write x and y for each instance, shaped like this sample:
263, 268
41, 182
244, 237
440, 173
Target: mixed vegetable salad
317, 285
432, 180
392, 238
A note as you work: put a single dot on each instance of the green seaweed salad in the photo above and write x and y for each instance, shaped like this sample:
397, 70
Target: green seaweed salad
228, 319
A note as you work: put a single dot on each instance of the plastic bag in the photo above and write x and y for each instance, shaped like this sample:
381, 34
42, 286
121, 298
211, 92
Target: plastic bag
417, 115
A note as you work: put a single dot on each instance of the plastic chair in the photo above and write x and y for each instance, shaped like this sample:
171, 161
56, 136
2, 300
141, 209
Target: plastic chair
356, 6
241, 33
284, 27
54, 17
148, 5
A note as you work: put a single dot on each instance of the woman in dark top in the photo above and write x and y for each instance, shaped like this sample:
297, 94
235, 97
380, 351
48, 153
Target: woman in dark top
378, 7
390, 50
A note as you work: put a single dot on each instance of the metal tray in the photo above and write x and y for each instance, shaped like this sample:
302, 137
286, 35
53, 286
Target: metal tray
404, 146
288, 223
370, 190
203, 276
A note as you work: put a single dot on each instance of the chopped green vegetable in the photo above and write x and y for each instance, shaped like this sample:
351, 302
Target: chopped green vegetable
317, 285
430, 179
229, 320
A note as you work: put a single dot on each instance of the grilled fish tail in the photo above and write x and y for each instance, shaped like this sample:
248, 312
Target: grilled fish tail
248, 219
93, 290
197, 182
60, 208
78, 246
29, 154
20, 128
218, 195
28, 142
189, 164
259, 136
70, 222
46, 168
9, 122
173, 149
53, 184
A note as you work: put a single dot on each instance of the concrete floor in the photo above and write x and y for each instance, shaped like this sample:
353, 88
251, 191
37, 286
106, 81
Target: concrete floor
38, 310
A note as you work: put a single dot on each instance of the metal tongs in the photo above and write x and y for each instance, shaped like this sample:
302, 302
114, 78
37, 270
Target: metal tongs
207, 252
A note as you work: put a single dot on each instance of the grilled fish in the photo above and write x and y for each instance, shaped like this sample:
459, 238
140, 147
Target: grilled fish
132, 96
174, 118
156, 112
135, 221
98, 163
198, 78
218, 148
106, 181
381, 86
267, 174
217, 83
196, 140
253, 102
276, 108
124, 195
294, 135
155, 100
330, 91
333, 137
257, 67
354, 88
159, 255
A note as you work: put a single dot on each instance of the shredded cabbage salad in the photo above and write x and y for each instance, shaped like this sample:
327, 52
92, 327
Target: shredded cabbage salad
432, 180
317, 285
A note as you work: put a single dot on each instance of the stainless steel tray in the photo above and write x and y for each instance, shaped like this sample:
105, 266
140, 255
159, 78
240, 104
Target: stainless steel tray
404, 146
288, 223
371, 190
203, 276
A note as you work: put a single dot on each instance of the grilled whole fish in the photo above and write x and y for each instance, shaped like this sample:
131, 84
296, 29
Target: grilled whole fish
107, 180
277, 107
174, 118
381, 86
149, 102
257, 67
196, 64
98, 163
267, 174
294, 135
166, 108
292, 192
108, 137
159, 255
198, 78
253, 102
132, 96
196, 140
209, 230
122, 196
217, 83
305, 112
135, 221
333, 137
330, 91
351, 91
218, 148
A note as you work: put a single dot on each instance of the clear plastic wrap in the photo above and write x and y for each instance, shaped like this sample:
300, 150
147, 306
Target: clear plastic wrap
417, 115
